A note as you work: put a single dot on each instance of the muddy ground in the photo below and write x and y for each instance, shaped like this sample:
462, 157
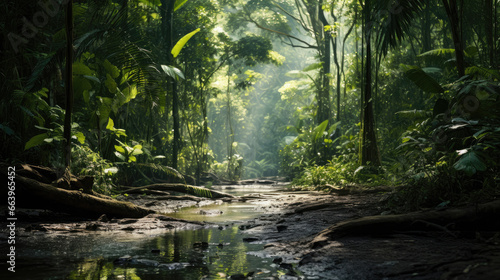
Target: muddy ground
292, 219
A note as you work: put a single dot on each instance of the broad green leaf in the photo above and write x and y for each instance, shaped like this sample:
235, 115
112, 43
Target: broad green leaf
137, 150
110, 84
422, 80
470, 163
130, 93
313, 66
92, 78
36, 141
81, 69
178, 4
172, 71
80, 137
111, 69
111, 124
319, 130
120, 149
120, 156
180, 44
6, 129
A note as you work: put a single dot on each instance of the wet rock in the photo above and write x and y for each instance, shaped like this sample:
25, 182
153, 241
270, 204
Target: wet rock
103, 218
238, 277
35, 227
127, 221
250, 239
278, 260
155, 251
200, 245
122, 260
144, 262
173, 266
92, 226
281, 228
211, 212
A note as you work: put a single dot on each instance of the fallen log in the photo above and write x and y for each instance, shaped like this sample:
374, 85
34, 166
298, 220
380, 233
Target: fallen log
181, 188
31, 193
473, 218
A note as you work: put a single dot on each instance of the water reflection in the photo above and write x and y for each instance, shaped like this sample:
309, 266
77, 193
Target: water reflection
210, 253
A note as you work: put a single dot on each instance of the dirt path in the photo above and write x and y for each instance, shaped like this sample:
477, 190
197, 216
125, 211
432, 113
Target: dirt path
404, 255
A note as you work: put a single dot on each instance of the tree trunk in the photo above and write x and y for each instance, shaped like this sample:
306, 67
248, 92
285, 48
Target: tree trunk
451, 8
324, 108
68, 84
168, 30
368, 141
489, 14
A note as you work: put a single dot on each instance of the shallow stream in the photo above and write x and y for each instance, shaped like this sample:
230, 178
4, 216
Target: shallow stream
216, 252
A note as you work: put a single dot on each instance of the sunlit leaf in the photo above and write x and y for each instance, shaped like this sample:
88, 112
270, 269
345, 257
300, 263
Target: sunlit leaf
178, 4
180, 44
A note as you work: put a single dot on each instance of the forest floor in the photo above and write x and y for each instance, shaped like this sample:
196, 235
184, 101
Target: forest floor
292, 219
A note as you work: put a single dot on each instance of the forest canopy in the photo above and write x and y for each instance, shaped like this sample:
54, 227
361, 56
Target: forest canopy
329, 93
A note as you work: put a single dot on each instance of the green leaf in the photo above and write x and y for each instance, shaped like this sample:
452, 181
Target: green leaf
36, 141
172, 71
110, 84
80, 137
137, 150
92, 78
313, 66
111, 124
422, 80
6, 129
180, 44
178, 4
111, 69
81, 69
438, 52
120, 156
120, 149
319, 130
470, 163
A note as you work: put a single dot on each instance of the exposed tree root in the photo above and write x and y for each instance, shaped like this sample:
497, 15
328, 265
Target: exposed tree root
182, 188
31, 193
481, 217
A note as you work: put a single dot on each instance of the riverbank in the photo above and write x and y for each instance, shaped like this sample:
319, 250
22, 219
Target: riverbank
280, 226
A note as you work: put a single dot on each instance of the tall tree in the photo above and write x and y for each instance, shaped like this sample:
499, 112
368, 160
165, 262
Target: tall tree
453, 10
167, 16
68, 83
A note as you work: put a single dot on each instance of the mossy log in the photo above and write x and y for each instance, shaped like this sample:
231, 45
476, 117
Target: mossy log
181, 188
32, 193
473, 218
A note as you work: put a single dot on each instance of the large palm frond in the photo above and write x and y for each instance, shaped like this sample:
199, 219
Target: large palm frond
395, 18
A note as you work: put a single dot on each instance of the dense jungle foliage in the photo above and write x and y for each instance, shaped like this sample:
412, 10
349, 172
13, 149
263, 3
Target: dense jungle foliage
329, 93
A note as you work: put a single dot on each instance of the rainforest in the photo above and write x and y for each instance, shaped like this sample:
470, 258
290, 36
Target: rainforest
250, 139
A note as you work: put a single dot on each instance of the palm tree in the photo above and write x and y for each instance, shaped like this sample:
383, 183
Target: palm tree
387, 21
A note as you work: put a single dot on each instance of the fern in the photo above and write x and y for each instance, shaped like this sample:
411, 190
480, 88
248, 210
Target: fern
198, 191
